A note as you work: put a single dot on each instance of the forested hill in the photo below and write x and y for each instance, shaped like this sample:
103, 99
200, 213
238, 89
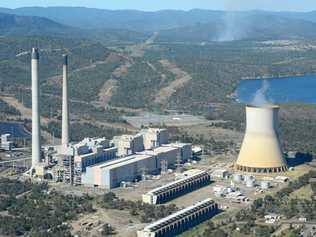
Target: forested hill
119, 19
15, 25
141, 21
237, 27
29, 25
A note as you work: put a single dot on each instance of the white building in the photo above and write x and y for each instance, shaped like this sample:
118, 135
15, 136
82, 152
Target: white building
128, 144
220, 173
154, 137
163, 154
111, 174
185, 149
182, 220
176, 188
6, 143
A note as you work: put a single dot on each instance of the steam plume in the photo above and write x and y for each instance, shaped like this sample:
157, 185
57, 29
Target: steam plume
260, 97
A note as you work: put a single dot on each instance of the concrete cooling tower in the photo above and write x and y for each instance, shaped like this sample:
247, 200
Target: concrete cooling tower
261, 151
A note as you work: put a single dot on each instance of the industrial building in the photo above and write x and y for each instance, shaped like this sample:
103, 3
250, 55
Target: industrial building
111, 174
73, 159
128, 144
154, 137
177, 188
181, 221
261, 151
185, 150
130, 168
6, 142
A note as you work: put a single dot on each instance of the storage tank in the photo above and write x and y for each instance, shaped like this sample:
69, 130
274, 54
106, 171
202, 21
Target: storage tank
265, 185
237, 178
261, 150
250, 183
248, 177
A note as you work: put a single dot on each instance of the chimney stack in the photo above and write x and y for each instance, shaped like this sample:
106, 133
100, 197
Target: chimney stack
36, 132
65, 108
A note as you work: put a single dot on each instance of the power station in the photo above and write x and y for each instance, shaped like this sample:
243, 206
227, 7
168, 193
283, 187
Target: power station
261, 150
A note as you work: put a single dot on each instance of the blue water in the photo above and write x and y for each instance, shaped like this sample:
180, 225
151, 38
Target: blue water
17, 130
299, 89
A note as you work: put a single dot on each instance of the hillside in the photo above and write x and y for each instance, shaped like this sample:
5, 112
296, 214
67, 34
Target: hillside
13, 25
119, 19
238, 27
142, 21
168, 70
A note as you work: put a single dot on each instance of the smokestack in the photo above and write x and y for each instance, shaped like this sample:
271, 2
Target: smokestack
261, 151
65, 113
36, 132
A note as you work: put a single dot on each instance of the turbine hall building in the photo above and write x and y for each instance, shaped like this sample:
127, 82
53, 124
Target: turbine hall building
110, 174
181, 221
177, 188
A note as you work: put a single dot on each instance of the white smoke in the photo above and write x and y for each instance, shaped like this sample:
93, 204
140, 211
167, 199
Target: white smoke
231, 30
260, 98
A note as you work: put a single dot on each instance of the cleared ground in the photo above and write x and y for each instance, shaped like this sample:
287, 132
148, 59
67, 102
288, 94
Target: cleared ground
147, 119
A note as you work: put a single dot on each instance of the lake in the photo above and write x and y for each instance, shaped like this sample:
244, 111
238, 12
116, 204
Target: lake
298, 89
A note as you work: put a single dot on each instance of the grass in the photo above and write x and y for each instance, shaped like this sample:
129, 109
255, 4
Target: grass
303, 193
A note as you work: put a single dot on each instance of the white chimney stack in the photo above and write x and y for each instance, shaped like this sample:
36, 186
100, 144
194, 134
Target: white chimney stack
65, 109
36, 132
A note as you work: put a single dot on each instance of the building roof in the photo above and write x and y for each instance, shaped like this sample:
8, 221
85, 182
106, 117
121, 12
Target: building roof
121, 162
158, 150
94, 153
176, 144
171, 218
176, 183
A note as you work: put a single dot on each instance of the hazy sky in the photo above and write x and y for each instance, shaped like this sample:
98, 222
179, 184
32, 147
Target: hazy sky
275, 5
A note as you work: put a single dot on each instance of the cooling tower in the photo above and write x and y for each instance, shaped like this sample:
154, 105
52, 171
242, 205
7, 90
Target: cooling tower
36, 132
261, 151
65, 108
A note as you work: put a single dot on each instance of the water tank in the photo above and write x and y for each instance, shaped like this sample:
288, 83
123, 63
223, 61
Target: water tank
237, 178
248, 177
265, 185
250, 183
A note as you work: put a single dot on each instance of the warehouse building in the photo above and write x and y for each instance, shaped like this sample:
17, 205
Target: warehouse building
177, 188
181, 221
111, 174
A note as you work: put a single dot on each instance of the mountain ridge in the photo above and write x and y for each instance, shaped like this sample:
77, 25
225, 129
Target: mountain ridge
141, 21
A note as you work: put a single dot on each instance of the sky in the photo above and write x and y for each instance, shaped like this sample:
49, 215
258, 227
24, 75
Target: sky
153, 5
